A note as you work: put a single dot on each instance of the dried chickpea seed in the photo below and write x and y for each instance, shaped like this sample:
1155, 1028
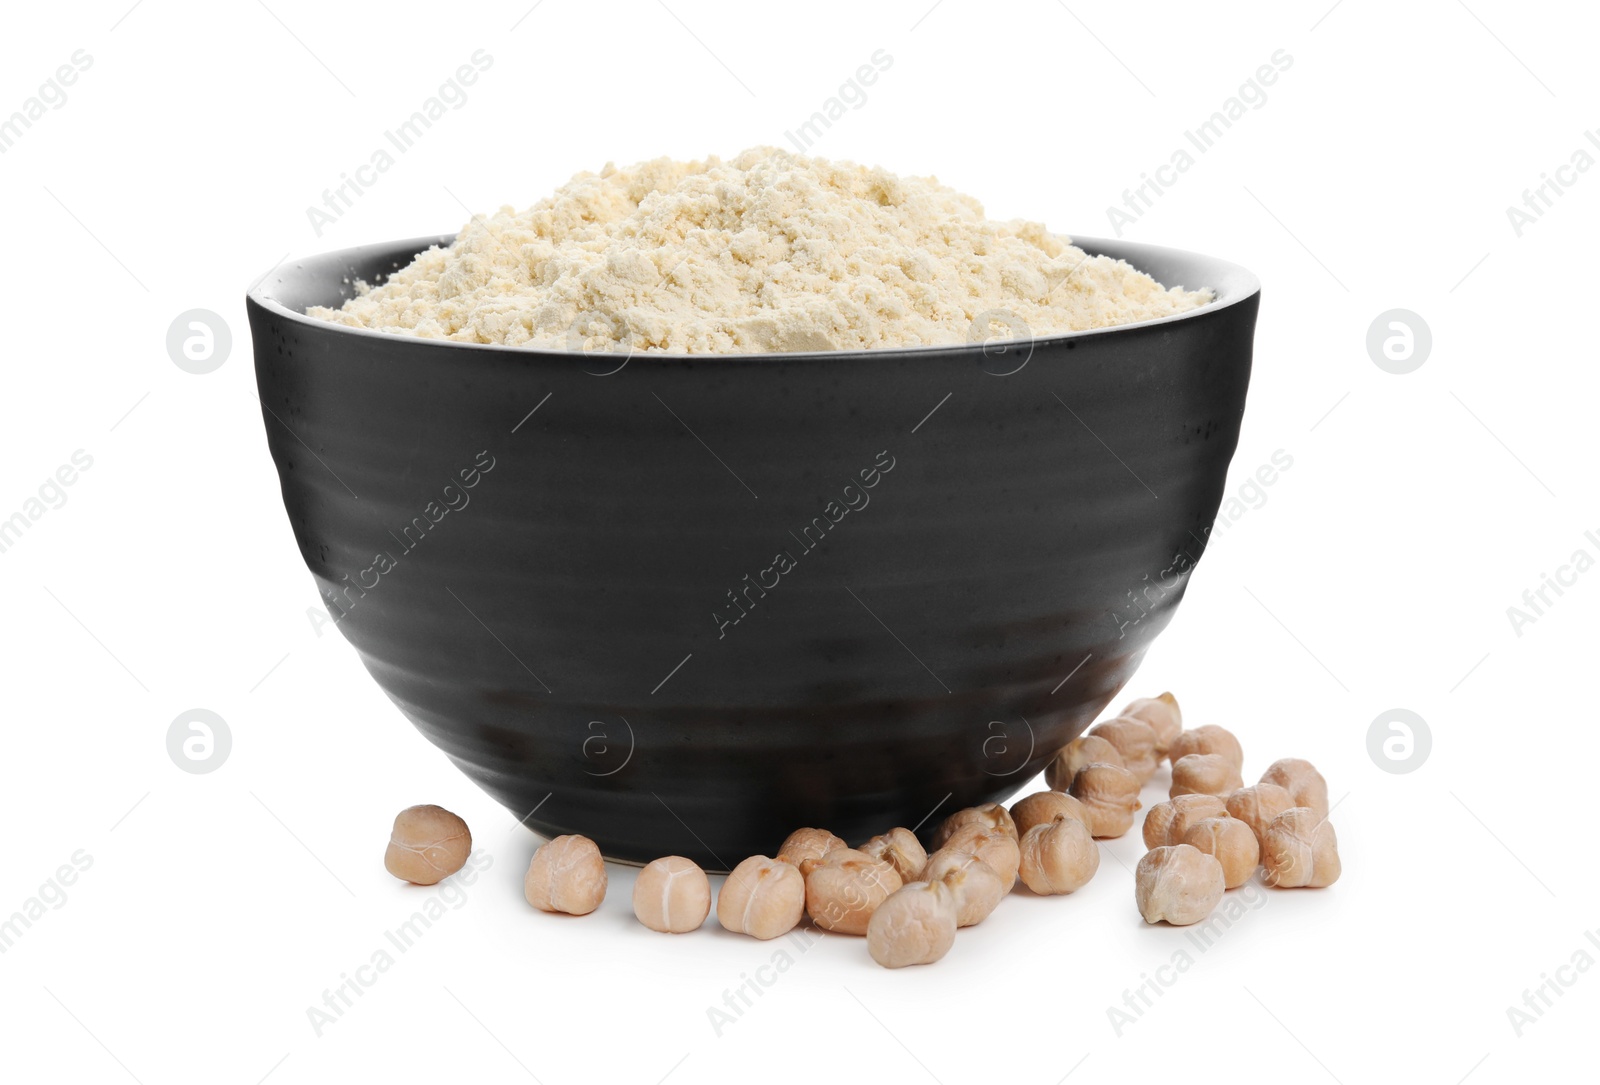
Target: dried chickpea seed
672, 895
762, 897
977, 886
1059, 857
1163, 716
1135, 740
567, 874
1081, 751
1301, 780
990, 815
994, 846
1167, 822
915, 925
806, 846
1044, 807
1111, 794
1204, 774
1300, 850
1178, 885
1257, 805
427, 845
845, 887
901, 849
1208, 739
1230, 842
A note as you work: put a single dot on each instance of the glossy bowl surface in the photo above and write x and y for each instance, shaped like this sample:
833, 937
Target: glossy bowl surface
687, 605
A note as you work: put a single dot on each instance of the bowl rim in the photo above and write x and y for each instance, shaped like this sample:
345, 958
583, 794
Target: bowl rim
1231, 284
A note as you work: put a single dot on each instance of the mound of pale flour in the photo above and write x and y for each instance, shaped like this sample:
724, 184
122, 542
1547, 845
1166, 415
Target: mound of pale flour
769, 251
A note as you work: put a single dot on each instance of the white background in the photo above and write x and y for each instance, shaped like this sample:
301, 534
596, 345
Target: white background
1375, 575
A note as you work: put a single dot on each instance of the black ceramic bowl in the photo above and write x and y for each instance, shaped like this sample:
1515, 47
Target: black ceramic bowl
690, 605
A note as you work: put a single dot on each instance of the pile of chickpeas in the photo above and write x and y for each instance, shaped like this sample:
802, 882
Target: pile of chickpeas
1210, 836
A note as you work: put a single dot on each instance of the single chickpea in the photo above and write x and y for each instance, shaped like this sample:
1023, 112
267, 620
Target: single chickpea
1301, 780
567, 874
1081, 751
1167, 821
1110, 794
1163, 716
1135, 740
1059, 857
1043, 807
977, 886
994, 846
1178, 885
1257, 805
1204, 774
845, 887
672, 895
901, 849
806, 846
915, 925
1300, 850
989, 815
762, 898
1208, 739
1230, 842
427, 845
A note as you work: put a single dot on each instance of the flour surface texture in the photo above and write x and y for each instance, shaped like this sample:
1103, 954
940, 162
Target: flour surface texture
768, 251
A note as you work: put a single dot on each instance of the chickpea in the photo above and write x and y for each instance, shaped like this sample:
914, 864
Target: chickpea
1301, 780
804, 847
901, 849
762, 898
845, 887
1163, 716
1044, 807
1204, 774
1230, 842
672, 895
1074, 755
1178, 884
994, 846
1135, 740
1059, 857
915, 925
1110, 794
1167, 822
1257, 805
990, 815
977, 886
427, 845
567, 874
1208, 739
1300, 849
